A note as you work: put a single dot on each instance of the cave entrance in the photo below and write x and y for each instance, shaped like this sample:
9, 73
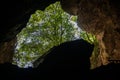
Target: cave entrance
44, 30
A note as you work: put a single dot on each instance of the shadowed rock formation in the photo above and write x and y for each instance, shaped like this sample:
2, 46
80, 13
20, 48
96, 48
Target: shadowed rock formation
101, 18
13, 72
106, 72
70, 60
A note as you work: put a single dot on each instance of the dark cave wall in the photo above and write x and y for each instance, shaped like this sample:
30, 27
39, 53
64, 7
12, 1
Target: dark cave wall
101, 18
7, 51
16, 15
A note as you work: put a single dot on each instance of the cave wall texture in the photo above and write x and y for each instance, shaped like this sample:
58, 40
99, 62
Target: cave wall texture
99, 17
7, 50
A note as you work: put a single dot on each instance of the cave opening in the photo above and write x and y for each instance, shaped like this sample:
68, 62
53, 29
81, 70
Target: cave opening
44, 30
98, 17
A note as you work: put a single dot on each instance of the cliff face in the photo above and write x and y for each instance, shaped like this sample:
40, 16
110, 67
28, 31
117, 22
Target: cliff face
101, 18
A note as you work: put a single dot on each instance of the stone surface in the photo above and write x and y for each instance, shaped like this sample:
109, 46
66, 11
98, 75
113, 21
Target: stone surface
101, 18
7, 51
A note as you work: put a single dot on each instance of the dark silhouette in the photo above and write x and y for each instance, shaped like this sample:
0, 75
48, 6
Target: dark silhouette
63, 61
70, 60
106, 72
13, 72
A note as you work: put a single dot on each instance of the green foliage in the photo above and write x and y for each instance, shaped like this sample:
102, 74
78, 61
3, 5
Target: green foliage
88, 37
44, 30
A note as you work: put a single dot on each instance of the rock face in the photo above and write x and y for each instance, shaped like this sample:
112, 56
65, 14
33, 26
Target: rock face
101, 18
7, 50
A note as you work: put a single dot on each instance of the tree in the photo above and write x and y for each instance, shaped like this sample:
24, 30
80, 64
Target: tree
44, 30
95, 55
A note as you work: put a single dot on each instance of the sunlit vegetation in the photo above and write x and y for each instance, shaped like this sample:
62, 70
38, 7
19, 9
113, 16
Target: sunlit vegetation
92, 39
44, 30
